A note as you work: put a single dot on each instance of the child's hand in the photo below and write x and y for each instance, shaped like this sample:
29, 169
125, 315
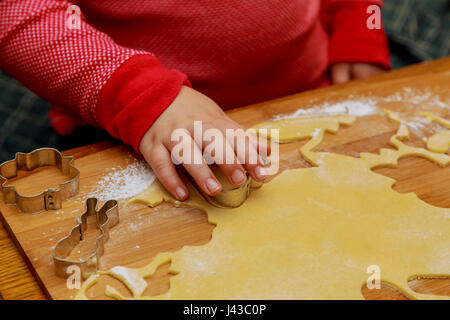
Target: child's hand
156, 145
344, 72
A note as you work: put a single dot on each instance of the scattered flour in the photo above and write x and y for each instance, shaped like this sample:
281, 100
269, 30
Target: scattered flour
357, 108
121, 183
423, 97
424, 100
364, 106
417, 125
316, 132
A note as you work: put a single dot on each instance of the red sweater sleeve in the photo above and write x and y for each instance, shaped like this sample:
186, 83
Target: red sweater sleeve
73, 69
351, 39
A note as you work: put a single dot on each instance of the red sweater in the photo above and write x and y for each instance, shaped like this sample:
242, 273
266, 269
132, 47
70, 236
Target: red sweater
129, 58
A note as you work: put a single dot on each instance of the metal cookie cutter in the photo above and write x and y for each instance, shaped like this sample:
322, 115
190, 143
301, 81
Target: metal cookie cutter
49, 199
107, 217
232, 197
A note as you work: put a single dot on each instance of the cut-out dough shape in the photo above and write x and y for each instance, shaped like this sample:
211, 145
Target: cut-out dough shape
301, 128
310, 233
439, 142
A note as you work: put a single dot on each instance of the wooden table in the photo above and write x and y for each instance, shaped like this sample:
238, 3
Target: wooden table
18, 282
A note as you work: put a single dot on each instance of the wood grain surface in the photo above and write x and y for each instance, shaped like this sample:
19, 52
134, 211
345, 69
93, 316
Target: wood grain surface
26, 268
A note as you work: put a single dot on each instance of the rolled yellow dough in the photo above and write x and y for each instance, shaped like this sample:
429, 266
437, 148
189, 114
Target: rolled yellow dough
439, 142
310, 233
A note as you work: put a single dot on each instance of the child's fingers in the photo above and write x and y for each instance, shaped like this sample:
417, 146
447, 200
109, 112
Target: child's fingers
218, 149
196, 166
230, 166
247, 153
256, 169
261, 143
340, 73
364, 70
159, 159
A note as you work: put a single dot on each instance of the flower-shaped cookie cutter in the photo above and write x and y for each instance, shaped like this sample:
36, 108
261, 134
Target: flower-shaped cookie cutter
107, 217
49, 199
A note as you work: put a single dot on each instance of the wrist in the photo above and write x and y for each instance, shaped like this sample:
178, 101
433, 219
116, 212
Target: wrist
135, 96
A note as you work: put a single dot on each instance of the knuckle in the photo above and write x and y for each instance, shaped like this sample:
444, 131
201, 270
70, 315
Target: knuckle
161, 166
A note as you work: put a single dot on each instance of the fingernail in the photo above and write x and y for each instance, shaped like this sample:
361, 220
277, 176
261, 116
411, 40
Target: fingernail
212, 185
260, 173
181, 194
238, 176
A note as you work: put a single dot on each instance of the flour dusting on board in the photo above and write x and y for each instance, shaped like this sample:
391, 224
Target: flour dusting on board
357, 108
424, 98
365, 106
121, 183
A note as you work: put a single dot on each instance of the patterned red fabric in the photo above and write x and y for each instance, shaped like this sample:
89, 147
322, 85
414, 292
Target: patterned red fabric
237, 52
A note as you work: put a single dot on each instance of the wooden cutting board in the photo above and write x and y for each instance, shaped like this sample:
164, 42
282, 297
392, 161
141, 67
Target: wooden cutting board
143, 232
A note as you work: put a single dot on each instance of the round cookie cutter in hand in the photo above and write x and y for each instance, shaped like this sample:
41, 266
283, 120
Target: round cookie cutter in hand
50, 199
232, 197
107, 217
